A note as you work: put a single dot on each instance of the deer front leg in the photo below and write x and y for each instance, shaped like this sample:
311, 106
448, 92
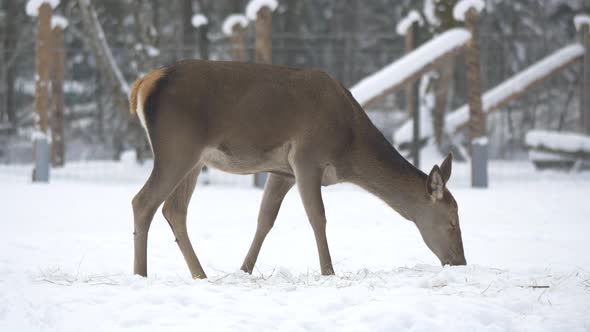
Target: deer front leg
309, 185
175, 211
275, 189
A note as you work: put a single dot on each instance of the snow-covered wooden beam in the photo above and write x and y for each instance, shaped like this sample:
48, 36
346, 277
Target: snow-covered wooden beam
507, 91
520, 84
557, 150
558, 141
411, 66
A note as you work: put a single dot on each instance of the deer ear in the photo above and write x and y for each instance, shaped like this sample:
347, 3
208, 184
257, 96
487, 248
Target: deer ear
446, 167
435, 184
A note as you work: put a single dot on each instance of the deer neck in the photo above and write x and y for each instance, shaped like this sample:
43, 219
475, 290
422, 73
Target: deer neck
381, 170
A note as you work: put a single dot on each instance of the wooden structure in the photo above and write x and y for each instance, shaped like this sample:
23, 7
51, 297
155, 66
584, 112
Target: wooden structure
262, 10
477, 120
57, 79
558, 150
235, 27
421, 66
264, 35
583, 26
43, 10
42, 67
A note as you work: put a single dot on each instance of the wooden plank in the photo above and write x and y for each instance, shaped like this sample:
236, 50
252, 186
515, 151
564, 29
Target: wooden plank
503, 102
432, 65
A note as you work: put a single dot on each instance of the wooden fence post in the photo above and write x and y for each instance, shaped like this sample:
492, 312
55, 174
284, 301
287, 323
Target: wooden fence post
234, 27
408, 27
264, 35
413, 102
477, 120
43, 10
58, 25
582, 23
261, 11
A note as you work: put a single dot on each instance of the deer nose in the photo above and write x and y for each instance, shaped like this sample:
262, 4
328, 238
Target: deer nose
460, 261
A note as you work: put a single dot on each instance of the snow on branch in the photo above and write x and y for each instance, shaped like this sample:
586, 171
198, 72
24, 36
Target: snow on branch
255, 5
580, 20
402, 70
406, 22
557, 141
58, 21
199, 20
504, 92
231, 21
32, 7
463, 6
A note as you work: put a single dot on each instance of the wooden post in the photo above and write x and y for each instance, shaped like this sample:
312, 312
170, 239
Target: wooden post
237, 41
234, 26
408, 47
42, 80
477, 123
413, 97
264, 35
263, 55
584, 36
57, 122
42, 64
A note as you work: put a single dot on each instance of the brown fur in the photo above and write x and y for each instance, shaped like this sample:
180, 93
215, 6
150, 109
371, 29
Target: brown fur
146, 83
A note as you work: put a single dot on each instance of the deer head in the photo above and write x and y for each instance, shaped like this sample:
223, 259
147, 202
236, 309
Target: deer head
438, 222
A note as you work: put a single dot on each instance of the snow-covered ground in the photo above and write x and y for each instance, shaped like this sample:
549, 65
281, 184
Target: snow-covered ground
66, 259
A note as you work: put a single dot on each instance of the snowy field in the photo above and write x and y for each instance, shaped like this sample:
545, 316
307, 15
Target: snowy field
66, 253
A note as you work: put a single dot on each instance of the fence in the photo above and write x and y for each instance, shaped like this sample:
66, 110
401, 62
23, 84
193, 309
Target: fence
89, 115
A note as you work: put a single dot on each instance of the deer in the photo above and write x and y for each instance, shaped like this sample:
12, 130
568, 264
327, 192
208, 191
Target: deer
301, 126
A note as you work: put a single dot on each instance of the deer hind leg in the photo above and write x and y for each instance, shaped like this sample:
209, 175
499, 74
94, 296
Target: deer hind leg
166, 174
275, 189
175, 211
309, 181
